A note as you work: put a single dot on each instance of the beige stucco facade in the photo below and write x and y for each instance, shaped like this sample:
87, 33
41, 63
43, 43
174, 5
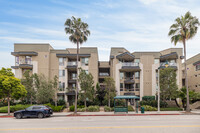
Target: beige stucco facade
134, 73
193, 73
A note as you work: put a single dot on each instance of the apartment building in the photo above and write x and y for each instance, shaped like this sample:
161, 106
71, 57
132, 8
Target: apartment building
134, 73
193, 72
137, 73
42, 58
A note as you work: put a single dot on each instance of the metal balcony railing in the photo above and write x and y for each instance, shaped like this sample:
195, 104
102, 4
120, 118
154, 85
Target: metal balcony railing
103, 74
73, 63
24, 62
130, 64
169, 64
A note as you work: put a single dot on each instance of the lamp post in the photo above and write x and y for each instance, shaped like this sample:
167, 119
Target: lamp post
166, 65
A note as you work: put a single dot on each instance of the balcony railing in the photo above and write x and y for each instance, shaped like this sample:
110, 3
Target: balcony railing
130, 64
24, 62
129, 89
71, 63
103, 74
169, 64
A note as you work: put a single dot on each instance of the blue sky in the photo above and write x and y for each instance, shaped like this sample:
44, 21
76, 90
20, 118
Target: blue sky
137, 25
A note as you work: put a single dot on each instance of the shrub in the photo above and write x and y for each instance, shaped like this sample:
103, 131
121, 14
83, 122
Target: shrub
71, 108
93, 109
148, 98
81, 109
149, 108
55, 108
13, 108
171, 109
107, 109
130, 108
153, 103
61, 102
80, 106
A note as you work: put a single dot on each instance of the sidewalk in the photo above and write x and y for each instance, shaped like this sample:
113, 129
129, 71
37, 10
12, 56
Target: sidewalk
71, 114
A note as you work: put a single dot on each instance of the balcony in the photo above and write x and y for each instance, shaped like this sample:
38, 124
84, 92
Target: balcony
171, 64
27, 64
71, 65
103, 75
129, 89
72, 80
129, 80
130, 67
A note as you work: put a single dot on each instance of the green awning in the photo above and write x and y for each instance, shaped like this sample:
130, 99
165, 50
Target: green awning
126, 97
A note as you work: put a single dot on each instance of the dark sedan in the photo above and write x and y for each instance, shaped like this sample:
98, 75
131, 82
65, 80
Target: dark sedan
39, 111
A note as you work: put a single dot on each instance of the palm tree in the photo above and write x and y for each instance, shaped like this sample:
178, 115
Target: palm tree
78, 32
184, 28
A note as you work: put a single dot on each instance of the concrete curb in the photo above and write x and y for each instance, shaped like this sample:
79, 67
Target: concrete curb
6, 116
78, 115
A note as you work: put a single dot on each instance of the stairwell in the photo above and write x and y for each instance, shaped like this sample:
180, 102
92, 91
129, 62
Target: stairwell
195, 105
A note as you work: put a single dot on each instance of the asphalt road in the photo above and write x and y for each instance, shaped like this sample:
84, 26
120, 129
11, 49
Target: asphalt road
103, 124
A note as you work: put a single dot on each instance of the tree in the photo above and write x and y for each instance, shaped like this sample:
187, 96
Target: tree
110, 91
192, 95
87, 88
10, 87
45, 89
184, 28
100, 93
78, 32
168, 85
27, 81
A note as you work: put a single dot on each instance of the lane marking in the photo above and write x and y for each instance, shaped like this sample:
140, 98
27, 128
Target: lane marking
112, 127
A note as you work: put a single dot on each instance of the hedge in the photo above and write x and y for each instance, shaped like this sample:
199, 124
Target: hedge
153, 103
55, 108
171, 109
148, 98
149, 108
13, 108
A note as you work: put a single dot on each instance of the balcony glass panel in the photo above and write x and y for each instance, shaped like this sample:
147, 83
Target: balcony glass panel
103, 74
130, 64
73, 63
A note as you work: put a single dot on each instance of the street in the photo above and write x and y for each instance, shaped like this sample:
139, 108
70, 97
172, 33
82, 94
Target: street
103, 124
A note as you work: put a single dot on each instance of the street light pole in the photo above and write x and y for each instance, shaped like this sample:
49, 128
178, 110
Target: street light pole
158, 90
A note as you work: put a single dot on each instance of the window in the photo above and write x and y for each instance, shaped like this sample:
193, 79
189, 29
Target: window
84, 61
61, 61
86, 71
121, 75
156, 61
121, 85
74, 75
17, 60
27, 59
137, 60
73, 85
172, 61
137, 75
137, 85
61, 73
197, 67
61, 86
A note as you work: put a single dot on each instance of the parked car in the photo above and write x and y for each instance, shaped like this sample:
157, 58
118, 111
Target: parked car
39, 111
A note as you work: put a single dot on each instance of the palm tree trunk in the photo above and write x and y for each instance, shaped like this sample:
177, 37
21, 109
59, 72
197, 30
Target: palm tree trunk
109, 97
8, 105
31, 99
76, 92
186, 80
85, 103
